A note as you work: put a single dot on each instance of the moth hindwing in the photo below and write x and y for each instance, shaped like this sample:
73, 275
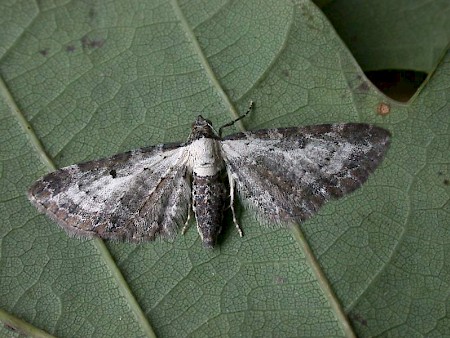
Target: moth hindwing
284, 174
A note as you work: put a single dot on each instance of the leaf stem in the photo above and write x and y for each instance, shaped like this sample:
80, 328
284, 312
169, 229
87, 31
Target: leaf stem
21, 327
323, 282
204, 62
124, 288
4, 92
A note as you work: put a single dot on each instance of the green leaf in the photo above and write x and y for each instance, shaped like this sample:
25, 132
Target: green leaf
84, 80
384, 34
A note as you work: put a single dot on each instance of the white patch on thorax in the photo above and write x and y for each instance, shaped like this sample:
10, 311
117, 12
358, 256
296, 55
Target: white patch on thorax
205, 158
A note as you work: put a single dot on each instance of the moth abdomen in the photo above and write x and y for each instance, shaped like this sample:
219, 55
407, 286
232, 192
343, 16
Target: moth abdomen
208, 203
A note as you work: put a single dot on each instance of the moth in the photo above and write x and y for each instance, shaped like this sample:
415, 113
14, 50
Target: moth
284, 174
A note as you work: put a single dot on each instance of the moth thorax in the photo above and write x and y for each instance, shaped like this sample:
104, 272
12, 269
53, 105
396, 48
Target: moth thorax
205, 157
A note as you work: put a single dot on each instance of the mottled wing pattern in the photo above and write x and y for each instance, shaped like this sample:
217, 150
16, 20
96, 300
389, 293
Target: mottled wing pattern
287, 174
133, 196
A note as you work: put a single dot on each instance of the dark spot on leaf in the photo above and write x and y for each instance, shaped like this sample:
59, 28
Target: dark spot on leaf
92, 13
113, 173
44, 52
364, 86
87, 42
10, 327
70, 48
279, 280
357, 317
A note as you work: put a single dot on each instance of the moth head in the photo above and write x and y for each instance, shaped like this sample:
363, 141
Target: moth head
202, 128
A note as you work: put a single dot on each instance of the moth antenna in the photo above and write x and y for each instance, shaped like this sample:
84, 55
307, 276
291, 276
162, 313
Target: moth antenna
229, 124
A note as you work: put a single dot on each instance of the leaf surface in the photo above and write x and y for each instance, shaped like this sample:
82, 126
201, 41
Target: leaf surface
401, 35
84, 80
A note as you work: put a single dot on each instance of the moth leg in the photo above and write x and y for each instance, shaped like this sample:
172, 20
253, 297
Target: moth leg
186, 224
236, 224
